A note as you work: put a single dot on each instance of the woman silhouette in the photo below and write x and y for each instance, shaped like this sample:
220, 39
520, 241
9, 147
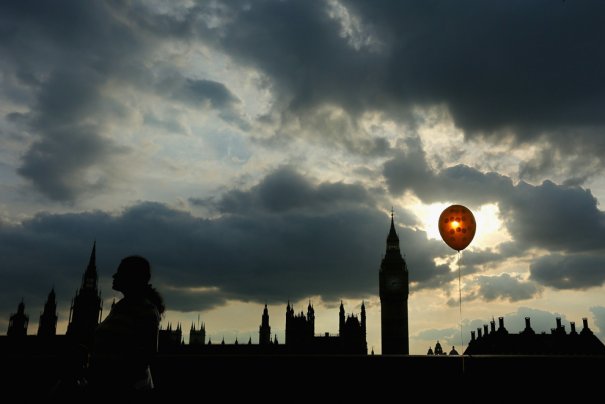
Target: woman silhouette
128, 338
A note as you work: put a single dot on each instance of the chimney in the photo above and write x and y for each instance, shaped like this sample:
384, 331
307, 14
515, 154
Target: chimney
492, 326
500, 322
585, 330
572, 324
472, 336
479, 332
558, 323
528, 330
485, 330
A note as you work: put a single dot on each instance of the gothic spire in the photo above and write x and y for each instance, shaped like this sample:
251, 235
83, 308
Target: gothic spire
90, 278
48, 319
92, 262
392, 238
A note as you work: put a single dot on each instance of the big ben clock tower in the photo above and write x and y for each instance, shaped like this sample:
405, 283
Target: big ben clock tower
394, 290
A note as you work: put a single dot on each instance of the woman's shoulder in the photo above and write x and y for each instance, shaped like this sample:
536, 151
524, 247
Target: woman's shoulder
138, 309
147, 310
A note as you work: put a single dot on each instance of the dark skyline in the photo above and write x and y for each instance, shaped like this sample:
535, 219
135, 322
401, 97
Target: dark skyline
253, 150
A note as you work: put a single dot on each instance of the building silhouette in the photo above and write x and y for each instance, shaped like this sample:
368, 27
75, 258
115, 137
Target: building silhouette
171, 340
264, 331
47, 327
300, 329
500, 342
439, 351
352, 330
86, 309
197, 337
394, 290
300, 337
17, 324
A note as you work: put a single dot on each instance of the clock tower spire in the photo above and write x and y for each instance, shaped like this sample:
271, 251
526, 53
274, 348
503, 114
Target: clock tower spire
394, 290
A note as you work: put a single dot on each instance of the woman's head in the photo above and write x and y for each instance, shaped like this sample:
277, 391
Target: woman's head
133, 274
132, 278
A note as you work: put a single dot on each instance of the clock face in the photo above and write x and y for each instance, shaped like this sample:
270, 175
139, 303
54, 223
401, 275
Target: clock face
394, 284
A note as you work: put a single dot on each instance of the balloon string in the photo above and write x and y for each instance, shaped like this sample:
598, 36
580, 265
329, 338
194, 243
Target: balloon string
460, 306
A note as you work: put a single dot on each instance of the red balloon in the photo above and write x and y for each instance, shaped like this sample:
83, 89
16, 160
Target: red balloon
457, 226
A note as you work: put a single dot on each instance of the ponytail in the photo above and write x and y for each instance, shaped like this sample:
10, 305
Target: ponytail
155, 298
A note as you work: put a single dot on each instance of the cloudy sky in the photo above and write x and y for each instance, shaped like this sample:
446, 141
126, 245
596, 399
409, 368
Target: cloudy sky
252, 150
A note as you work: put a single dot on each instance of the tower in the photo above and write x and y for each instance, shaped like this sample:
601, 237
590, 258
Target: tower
300, 329
352, 332
311, 319
85, 311
363, 321
17, 324
197, 337
264, 332
48, 319
341, 319
394, 290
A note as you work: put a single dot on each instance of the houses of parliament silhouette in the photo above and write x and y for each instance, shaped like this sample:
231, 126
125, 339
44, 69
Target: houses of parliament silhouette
86, 312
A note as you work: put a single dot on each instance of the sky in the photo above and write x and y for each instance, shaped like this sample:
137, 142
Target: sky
253, 150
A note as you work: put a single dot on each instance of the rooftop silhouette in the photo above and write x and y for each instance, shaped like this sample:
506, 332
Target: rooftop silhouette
498, 341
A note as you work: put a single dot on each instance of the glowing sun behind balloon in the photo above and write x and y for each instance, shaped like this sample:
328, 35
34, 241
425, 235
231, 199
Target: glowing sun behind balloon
490, 234
457, 226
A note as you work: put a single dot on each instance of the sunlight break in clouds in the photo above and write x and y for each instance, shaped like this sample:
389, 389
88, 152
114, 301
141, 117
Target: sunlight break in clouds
490, 229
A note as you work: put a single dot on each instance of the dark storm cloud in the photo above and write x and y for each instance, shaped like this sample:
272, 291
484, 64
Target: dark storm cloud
286, 190
577, 271
475, 260
205, 94
561, 161
505, 287
188, 299
408, 170
555, 217
269, 250
60, 61
527, 65
535, 70
62, 55
209, 91
497, 287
